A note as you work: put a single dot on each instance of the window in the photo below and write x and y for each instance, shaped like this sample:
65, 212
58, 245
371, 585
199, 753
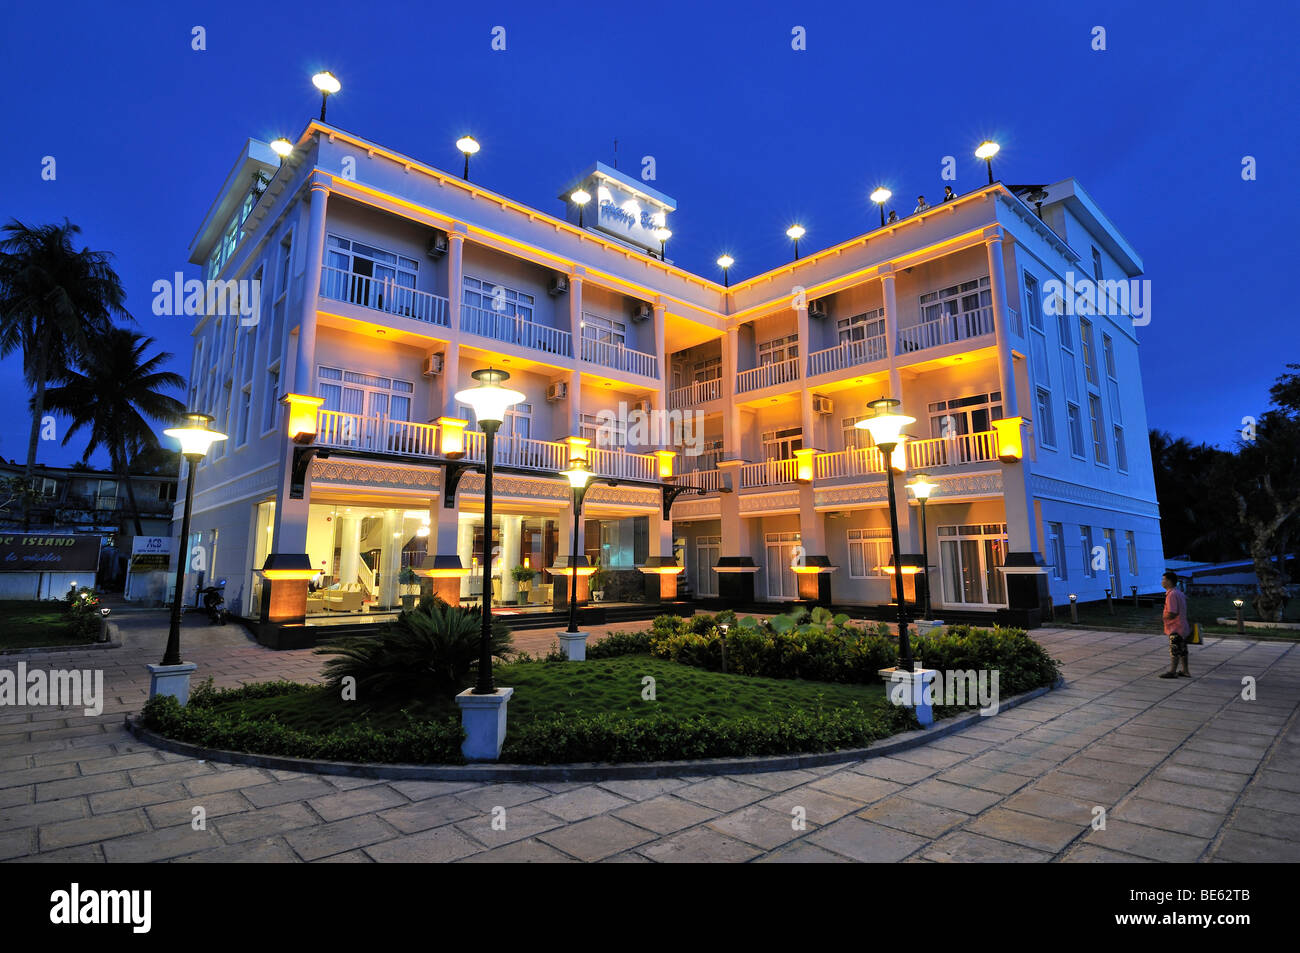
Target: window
1112, 378
606, 331
245, 408
1098, 430
1096, 264
1121, 454
781, 444
367, 395
1076, 429
869, 550
1085, 540
490, 296
959, 299
970, 561
364, 274
1056, 550
286, 258
853, 437
605, 431
1089, 352
869, 324
1046, 424
778, 350
709, 369
963, 415
1033, 303
1130, 541
1063, 329
271, 402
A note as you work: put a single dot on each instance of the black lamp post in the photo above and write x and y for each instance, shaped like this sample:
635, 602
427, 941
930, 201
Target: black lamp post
986, 151
468, 145
921, 488
880, 196
725, 263
663, 234
195, 437
328, 84
489, 401
578, 476
796, 232
886, 431
580, 198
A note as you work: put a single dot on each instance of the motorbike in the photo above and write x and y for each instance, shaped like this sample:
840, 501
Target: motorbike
214, 602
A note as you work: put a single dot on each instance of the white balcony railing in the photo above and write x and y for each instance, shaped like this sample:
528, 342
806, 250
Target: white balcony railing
947, 329
710, 481
952, 451
515, 330
376, 434
768, 473
383, 294
848, 354
693, 395
767, 375
619, 357
622, 464
853, 462
511, 451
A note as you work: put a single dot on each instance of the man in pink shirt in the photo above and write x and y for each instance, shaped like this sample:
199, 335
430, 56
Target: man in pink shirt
1176, 625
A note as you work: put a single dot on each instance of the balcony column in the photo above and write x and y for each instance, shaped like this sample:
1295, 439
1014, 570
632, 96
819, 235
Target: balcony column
575, 375
564, 532
1001, 320
907, 535
736, 567
661, 585
455, 274
511, 536
889, 301
465, 553
349, 550
304, 378
661, 355
390, 558
730, 408
807, 419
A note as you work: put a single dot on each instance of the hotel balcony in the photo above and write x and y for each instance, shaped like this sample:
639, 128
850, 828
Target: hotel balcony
768, 375
382, 435
619, 357
694, 396
848, 354
946, 329
383, 295
511, 329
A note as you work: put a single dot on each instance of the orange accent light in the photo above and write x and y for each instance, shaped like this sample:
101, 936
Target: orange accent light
302, 416
1010, 447
803, 465
453, 436
665, 458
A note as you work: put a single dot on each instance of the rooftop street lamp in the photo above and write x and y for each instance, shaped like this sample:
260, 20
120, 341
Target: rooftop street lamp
880, 196
986, 151
328, 85
663, 235
922, 489
282, 147
468, 145
580, 198
578, 475
195, 437
886, 432
489, 401
725, 263
794, 233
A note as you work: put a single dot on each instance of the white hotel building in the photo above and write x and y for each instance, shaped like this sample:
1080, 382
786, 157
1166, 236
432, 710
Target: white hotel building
386, 282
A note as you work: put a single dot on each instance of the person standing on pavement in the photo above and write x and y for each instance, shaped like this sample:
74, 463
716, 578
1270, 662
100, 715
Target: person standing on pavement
1177, 628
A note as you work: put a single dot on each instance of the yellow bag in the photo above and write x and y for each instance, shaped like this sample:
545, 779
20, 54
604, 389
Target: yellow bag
1195, 637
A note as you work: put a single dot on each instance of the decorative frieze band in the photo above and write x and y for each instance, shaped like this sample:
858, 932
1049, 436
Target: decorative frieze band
1051, 488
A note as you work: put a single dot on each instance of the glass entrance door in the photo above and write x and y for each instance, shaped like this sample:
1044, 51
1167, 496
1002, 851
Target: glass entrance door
782, 585
707, 549
970, 560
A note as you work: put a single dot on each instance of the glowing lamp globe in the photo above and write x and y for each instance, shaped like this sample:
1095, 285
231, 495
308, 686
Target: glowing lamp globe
468, 145
326, 82
489, 399
921, 486
885, 427
881, 195
987, 150
282, 147
577, 473
194, 435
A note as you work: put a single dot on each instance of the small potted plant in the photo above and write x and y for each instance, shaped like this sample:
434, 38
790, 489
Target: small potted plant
410, 583
597, 582
524, 577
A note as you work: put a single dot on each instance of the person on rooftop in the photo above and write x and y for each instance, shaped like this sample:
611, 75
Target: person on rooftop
921, 205
893, 217
948, 193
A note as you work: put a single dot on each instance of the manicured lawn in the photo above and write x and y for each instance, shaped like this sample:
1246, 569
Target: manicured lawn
609, 687
1202, 609
27, 623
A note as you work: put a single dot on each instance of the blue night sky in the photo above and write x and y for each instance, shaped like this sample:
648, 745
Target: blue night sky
748, 135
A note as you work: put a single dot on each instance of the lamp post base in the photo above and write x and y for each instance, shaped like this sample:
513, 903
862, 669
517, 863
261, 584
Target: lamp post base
914, 689
171, 680
574, 645
484, 719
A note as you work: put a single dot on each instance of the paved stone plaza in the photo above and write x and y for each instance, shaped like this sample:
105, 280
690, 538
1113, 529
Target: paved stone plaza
1186, 770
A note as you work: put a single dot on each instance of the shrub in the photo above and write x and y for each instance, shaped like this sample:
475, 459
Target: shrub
620, 643
427, 651
84, 619
1022, 664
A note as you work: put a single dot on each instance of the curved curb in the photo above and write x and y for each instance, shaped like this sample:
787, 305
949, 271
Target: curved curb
590, 771
47, 649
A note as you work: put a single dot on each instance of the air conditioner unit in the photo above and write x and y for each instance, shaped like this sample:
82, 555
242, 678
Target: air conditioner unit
823, 405
641, 407
559, 285
817, 308
558, 390
433, 365
438, 244
642, 311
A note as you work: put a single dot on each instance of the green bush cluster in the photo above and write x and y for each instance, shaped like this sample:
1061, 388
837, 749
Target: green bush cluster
84, 618
200, 723
620, 643
608, 738
1021, 663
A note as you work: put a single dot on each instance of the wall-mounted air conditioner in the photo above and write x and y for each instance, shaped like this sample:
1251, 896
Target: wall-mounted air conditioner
823, 405
642, 311
433, 365
641, 406
817, 308
558, 390
559, 285
438, 244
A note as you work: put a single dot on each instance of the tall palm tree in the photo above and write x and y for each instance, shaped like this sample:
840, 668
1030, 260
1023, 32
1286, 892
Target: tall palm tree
114, 394
52, 299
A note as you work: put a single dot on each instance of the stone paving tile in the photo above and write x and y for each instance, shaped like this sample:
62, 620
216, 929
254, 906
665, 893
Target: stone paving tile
779, 780
227, 780
419, 790
932, 757
699, 845
42, 812
965, 847
500, 795
313, 843
529, 851
758, 825
956, 797
856, 787
635, 789
803, 853
432, 812
435, 846
1105, 770
722, 794
294, 789
596, 838
159, 773
182, 811
1272, 799
985, 779
581, 802
1057, 807
1012, 763
367, 800
1255, 820
1028, 830
665, 814
347, 857
17, 843
1198, 798
1170, 817
1087, 854
524, 820
159, 845
1200, 777
90, 784
121, 799
865, 841
1246, 847
88, 830
914, 817
892, 769
1215, 762
265, 823
1149, 842
820, 806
